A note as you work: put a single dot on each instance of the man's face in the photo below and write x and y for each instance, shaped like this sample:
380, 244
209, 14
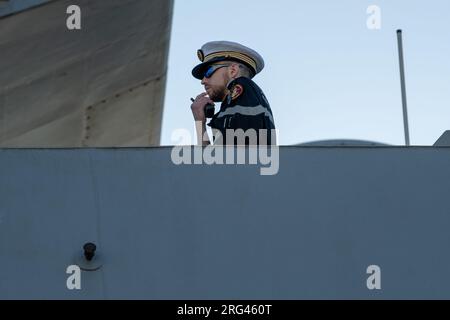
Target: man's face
216, 84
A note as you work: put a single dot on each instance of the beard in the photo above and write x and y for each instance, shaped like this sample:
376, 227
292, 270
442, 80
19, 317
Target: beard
217, 95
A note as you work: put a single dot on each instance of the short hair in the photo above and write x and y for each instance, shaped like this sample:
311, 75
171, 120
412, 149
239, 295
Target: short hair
245, 71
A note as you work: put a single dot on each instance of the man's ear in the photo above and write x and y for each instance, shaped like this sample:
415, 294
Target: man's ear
234, 70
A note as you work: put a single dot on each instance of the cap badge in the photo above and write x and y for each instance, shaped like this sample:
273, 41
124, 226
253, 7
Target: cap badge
201, 55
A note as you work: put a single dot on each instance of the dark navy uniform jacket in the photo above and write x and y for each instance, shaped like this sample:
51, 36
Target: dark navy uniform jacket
249, 110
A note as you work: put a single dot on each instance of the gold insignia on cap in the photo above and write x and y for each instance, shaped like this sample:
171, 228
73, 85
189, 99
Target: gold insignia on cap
231, 54
201, 55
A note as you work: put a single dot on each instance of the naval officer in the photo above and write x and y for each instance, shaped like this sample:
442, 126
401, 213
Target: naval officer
226, 71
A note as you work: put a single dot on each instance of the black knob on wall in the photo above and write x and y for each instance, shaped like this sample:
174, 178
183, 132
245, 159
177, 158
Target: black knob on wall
89, 250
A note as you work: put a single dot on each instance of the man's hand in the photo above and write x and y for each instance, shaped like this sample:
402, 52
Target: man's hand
198, 107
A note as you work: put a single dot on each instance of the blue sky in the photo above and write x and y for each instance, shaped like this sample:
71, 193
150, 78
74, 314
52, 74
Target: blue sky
327, 75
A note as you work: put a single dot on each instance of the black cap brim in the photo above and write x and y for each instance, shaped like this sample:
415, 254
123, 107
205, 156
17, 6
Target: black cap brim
199, 71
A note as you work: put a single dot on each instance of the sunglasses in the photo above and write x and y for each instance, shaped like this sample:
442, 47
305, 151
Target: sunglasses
213, 68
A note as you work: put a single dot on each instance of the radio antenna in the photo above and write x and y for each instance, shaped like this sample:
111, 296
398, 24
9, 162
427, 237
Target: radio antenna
402, 80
